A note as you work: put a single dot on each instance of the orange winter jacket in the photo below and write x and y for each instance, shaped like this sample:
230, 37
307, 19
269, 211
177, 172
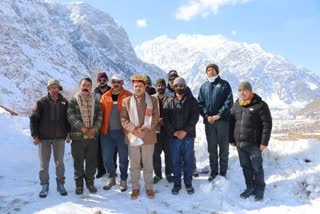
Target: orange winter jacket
106, 103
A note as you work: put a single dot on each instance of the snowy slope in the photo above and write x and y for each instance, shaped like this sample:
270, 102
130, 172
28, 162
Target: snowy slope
292, 172
41, 40
281, 83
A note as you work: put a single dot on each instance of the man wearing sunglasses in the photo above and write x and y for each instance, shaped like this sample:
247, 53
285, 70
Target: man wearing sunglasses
112, 135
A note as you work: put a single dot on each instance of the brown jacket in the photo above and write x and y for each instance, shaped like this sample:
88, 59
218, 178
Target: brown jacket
150, 136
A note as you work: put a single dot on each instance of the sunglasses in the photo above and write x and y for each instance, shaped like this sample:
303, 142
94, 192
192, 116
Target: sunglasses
178, 86
102, 80
116, 81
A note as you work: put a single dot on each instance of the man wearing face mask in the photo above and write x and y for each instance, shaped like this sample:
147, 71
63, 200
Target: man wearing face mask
103, 87
112, 135
84, 115
162, 139
180, 115
215, 101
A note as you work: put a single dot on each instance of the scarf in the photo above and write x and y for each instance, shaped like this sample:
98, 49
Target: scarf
134, 118
212, 79
246, 102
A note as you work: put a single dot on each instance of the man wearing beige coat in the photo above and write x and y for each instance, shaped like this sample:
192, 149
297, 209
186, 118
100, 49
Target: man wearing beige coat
139, 117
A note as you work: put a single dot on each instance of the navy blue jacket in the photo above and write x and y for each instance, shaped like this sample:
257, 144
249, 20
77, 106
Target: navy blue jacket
181, 114
215, 99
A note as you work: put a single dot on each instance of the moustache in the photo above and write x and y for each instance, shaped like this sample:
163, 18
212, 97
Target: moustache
85, 90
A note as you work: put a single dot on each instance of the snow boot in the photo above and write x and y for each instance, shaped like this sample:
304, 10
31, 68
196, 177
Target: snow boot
190, 189
175, 190
61, 189
44, 191
111, 182
247, 193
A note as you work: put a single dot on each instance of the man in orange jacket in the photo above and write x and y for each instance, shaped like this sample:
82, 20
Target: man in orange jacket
112, 134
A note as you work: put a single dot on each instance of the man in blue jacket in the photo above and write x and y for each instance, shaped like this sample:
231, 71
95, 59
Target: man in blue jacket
215, 101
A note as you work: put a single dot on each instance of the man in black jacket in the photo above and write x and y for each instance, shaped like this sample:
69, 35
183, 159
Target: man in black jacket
49, 129
180, 115
250, 130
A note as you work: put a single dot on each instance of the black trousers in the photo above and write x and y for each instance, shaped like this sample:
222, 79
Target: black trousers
162, 145
84, 153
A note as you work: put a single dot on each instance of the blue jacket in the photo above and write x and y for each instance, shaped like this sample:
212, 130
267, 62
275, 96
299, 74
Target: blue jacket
215, 99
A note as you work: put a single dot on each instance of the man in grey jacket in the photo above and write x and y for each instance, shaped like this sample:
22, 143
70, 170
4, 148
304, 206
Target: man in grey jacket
50, 129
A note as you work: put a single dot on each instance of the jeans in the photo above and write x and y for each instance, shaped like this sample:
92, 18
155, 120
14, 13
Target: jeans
182, 150
115, 138
251, 162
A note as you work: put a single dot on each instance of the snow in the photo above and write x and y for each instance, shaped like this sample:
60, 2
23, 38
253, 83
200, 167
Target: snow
292, 174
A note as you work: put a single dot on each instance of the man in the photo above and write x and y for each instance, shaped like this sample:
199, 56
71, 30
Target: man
50, 129
102, 79
149, 89
215, 101
250, 130
181, 114
112, 135
162, 139
172, 75
85, 116
139, 117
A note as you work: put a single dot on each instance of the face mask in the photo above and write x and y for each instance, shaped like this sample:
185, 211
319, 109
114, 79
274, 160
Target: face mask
212, 79
179, 91
103, 86
161, 91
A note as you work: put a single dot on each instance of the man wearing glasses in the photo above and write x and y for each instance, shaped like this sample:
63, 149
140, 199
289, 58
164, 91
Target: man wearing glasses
103, 87
181, 114
112, 135
172, 75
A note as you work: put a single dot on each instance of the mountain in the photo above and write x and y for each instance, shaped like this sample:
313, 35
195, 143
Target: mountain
284, 85
41, 40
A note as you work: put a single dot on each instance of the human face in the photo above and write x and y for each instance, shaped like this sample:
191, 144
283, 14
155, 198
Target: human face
211, 72
85, 87
116, 84
53, 90
138, 88
171, 80
102, 81
244, 94
161, 88
179, 89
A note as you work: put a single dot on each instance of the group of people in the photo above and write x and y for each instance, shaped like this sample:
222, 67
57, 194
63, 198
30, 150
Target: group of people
141, 125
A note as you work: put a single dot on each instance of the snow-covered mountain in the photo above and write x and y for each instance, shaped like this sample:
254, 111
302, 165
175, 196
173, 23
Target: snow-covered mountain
41, 40
273, 77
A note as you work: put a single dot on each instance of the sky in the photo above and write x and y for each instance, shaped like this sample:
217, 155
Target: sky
290, 28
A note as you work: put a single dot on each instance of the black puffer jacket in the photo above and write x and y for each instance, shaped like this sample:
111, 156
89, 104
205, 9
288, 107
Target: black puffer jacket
251, 124
181, 114
49, 119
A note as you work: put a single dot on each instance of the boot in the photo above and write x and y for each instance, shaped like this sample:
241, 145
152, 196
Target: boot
175, 190
247, 193
150, 193
189, 189
213, 175
111, 182
123, 186
135, 193
44, 191
92, 189
61, 189
169, 178
156, 179
79, 190
258, 195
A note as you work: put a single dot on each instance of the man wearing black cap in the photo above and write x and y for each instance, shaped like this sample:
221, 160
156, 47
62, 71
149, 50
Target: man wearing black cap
250, 130
50, 129
172, 75
215, 101
102, 79
180, 115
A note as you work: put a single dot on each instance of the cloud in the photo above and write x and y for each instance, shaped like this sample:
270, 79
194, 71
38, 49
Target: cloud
141, 23
234, 33
203, 8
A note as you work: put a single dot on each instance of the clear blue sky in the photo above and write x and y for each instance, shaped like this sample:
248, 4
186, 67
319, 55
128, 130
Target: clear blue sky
290, 28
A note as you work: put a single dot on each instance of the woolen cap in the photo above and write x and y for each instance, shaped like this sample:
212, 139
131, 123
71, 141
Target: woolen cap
54, 82
244, 85
179, 81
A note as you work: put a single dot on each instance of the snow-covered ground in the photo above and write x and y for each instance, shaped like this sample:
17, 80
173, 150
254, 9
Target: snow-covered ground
292, 173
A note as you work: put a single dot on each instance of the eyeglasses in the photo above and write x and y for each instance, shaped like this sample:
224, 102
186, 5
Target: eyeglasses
116, 81
103, 80
178, 86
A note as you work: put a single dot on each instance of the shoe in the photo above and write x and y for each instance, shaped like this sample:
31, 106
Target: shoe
135, 193
169, 178
258, 195
156, 179
111, 182
189, 189
92, 189
123, 186
61, 189
212, 176
175, 190
247, 193
150, 193
100, 174
44, 191
195, 173
79, 190
223, 174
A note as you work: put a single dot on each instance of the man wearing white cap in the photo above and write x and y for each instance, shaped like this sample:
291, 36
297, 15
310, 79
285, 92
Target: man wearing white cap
112, 134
